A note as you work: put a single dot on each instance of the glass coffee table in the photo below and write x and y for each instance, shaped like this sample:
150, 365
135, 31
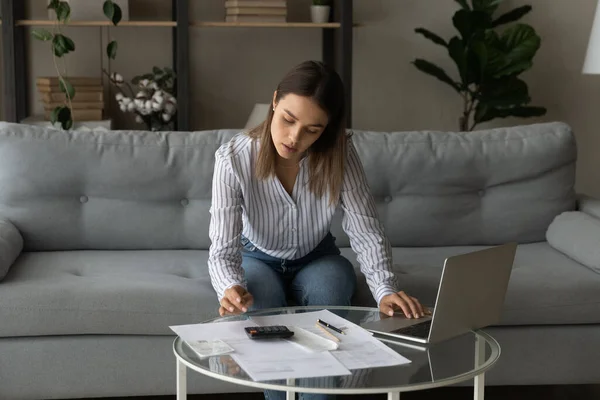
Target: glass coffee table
456, 360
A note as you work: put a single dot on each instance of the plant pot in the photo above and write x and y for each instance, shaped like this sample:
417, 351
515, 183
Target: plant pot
319, 14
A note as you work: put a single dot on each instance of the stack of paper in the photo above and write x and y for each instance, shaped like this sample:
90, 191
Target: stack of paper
264, 360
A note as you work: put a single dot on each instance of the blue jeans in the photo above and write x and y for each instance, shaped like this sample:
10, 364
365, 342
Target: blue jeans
321, 278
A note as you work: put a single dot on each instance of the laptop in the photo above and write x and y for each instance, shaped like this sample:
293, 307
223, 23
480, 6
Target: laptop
470, 296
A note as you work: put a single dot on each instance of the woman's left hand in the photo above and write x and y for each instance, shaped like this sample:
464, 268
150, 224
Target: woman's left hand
409, 305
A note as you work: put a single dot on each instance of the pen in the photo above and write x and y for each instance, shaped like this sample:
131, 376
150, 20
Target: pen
328, 333
338, 330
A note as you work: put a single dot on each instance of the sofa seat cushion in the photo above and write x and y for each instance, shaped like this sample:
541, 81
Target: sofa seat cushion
546, 287
105, 292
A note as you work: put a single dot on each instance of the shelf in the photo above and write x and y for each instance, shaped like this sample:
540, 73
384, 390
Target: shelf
198, 24
216, 24
45, 22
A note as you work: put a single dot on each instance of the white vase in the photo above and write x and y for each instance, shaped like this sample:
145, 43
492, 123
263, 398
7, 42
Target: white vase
319, 14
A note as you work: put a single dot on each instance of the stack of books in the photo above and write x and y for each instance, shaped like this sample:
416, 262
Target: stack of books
86, 105
256, 10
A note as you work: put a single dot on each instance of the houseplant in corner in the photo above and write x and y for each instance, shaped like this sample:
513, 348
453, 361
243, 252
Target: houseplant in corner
319, 11
488, 62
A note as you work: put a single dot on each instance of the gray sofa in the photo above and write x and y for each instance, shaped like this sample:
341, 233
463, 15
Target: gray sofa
104, 238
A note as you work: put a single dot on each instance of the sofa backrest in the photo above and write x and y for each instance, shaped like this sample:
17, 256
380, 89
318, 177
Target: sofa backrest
470, 188
152, 190
107, 190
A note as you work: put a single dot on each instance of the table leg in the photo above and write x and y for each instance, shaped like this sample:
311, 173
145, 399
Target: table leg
394, 396
181, 381
289, 395
479, 387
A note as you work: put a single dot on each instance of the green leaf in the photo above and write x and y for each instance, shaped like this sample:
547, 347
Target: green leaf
53, 5
511, 16
64, 117
118, 15
432, 36
157, 71
463, 4
42, 34
470, 22
522, 41
480, 57
435, 71
63, 11
58, 46
513, 52
109, 9
112, 11
54, 114
69, 44
503, 93
111, 49
487, 6
520, 111
66, 87
62, 45
457, 51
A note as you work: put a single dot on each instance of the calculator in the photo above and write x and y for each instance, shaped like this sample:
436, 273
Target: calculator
268, 332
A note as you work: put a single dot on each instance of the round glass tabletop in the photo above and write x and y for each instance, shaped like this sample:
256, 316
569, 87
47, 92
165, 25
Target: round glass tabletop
441, 364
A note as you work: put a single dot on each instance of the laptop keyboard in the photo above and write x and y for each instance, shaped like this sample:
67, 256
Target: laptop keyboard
420, 330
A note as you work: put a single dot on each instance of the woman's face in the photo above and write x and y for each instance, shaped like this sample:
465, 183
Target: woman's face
297, 123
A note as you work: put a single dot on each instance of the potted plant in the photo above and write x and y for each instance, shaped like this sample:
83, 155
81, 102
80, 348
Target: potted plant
488, 62
62, 45
153, 102
319, 11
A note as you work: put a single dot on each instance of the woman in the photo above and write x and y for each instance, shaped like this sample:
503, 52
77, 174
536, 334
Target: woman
275, 190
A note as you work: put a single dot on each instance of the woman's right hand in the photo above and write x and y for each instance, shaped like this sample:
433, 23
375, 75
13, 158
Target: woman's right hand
236, 300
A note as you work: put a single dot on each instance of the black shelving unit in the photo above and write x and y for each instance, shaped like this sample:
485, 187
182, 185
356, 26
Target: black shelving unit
14, 88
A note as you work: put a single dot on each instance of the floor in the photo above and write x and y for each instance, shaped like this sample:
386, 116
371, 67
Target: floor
583, 392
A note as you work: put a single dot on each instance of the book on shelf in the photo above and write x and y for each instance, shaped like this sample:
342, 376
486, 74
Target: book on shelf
50, 97
78, 89
256, 3
76, 105
256, 11
80, 115
255, 18
75, 81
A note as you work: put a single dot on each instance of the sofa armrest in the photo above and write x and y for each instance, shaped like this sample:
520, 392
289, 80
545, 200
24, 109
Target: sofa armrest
589, 205
11, 245
577, 235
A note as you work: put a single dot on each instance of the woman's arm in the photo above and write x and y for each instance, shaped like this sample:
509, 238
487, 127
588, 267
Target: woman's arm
361, 222
367, 238
225, 259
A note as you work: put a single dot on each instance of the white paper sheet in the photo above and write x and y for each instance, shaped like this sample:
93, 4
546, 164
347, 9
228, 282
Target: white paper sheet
357, 349
210, 331
281, 359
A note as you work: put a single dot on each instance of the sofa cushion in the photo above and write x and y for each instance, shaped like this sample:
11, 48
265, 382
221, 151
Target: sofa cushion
131, 292
11, 244
577, 234
546, 287
105, 292
102, 188
486, 187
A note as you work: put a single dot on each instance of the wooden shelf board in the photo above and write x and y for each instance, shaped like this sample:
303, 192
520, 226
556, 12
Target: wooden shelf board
45, 22
221, 24
172, 24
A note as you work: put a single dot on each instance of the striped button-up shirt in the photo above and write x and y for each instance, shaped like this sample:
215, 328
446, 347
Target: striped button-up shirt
289, 227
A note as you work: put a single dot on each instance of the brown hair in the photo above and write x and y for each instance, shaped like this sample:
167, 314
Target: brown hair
327, 155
